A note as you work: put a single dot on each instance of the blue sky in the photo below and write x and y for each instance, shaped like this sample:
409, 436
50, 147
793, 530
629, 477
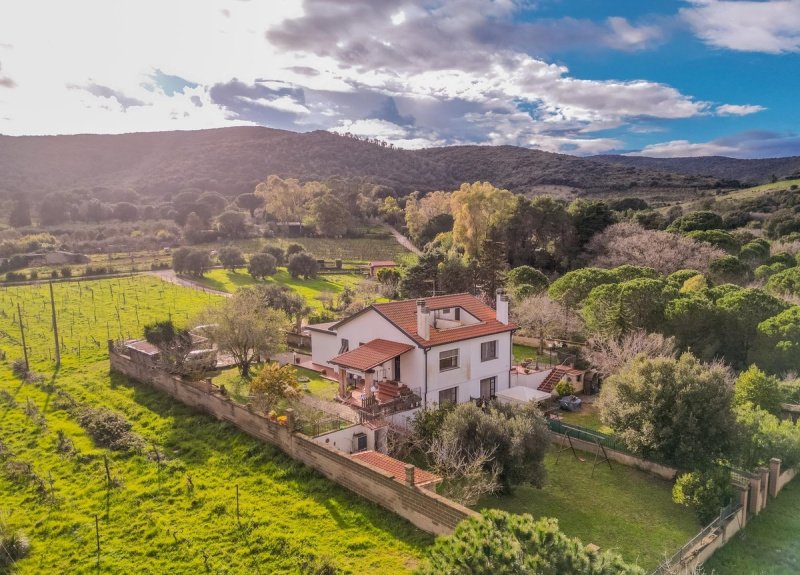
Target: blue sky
651, 77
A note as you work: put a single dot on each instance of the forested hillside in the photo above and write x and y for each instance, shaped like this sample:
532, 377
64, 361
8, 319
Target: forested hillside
232, 160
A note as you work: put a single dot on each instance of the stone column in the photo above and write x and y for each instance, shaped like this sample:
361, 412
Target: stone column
290, 419
774, 474
755, 495
743, 494
342, 382
409, 474
764, 472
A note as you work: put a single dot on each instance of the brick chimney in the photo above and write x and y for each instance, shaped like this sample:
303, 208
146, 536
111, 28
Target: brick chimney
423, 320
502, 307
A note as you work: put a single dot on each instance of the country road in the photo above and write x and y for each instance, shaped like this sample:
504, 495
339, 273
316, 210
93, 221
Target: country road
403, 241
171, 277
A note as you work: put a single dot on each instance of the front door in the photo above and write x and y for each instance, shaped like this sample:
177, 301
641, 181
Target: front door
488, 386
397, 369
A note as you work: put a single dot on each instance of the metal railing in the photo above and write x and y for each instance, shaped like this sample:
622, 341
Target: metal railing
673, 564
585, 434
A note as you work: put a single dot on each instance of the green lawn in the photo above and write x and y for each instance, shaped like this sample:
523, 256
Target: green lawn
239, 388
167, 519
349, 250
588, 416
522, 352
769, 545
622, 509
311, 289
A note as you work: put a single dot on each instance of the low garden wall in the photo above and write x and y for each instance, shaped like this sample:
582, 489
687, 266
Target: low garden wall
424, 509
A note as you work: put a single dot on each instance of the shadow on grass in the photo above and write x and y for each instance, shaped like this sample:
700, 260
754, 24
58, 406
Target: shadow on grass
196, 438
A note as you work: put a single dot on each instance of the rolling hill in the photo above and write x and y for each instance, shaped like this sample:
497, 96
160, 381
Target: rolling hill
233, 160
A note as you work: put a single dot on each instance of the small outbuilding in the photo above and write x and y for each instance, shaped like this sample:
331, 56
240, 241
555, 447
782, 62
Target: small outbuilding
519, 395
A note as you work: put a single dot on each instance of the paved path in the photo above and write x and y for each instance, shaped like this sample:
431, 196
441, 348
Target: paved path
402, 240
171, 277
330, 407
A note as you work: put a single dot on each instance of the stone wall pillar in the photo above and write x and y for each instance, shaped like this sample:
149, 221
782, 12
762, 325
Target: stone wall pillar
290, 421
774, 474
744, 493
755, 495
764, 473
409, 474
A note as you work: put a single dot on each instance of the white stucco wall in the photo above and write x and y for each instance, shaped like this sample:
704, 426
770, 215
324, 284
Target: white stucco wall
531, 380
471, 369
343, 438
324, 346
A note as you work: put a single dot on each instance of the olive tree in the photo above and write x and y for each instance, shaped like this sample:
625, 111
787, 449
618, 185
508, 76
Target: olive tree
245, 329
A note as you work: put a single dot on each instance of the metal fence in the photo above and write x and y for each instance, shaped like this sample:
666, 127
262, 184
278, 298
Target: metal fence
315, 427
588, 435
672, 564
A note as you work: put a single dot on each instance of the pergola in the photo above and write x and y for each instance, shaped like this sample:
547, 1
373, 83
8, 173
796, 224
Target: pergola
364, 359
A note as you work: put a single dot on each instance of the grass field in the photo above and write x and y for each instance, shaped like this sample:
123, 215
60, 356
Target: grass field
588, 416
311, 289
769, 545
622, 508
178, 517
240, 387
730, 199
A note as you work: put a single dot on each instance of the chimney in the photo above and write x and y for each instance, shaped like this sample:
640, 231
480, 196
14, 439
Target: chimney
502, 307
423, 325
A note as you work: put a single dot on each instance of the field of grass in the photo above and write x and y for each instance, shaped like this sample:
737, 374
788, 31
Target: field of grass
769, 545
179, 516
522, 352
622, 508
730, 199
349, 250
311, 289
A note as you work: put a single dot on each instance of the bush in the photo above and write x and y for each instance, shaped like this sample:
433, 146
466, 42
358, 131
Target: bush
66, 272
704, 492
34, 275
292, 249
109, 429
54, 274
276, 252
13, 547
564, 388
15, 277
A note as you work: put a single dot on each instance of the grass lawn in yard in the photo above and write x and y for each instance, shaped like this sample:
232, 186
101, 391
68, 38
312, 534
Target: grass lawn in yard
522, 352
239, 388
621, 509
769, 544
160, 518
588, 416
230, 281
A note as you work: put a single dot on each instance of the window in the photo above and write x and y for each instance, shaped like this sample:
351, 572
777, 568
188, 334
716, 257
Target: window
448, 396
448, 360
489, 350
458, 314
488, 387
345, 347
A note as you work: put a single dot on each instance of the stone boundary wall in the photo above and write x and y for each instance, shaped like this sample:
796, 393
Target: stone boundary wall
426, 510
662, 471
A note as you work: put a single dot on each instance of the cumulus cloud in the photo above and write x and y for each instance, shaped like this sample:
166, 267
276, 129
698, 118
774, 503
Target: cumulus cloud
267, 102
771, 26
751, 144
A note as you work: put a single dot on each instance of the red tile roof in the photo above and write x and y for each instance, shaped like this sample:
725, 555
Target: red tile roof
382, 263
371, 354
395, 467
404, 315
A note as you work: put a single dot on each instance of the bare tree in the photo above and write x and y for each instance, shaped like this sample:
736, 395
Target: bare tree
544, 317
469, 474
665, 252
609, 355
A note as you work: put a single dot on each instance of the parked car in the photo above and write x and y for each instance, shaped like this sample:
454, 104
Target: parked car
570, 403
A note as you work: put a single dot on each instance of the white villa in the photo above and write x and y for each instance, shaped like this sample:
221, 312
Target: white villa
403, 354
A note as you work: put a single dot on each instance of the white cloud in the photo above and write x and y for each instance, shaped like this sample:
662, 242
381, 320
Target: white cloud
771, 26
684, 149
738, 110
751, 144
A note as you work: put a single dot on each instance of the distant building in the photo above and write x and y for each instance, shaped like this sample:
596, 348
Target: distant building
373, 267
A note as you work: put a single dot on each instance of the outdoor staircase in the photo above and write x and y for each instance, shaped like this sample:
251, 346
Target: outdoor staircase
552, 379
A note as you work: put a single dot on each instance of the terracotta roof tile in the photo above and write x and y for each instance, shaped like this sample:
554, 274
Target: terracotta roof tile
404, 315
371, 354
395, 467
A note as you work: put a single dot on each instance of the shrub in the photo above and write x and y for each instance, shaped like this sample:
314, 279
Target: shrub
292, 249
564, 388
66, 272
276, 252
109, 429
54, 274
14, 545
704, 492
34, 275
15, 277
